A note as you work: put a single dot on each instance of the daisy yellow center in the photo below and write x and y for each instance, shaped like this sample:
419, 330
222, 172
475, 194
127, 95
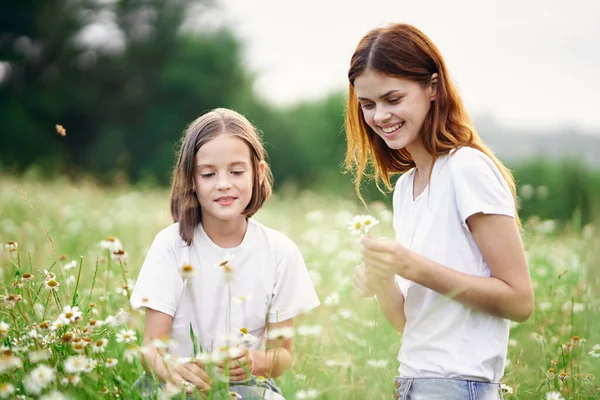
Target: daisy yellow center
52, 283
357, 226
367, 222
187, 268
244, 331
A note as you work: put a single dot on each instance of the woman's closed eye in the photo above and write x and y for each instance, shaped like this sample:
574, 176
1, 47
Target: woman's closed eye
238, 172
207, 174
367, 106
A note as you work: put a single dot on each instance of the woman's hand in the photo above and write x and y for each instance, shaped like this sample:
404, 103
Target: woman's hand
384, 258
365, 283
240, 367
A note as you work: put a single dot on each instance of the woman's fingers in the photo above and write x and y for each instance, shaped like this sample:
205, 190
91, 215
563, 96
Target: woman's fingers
360, 283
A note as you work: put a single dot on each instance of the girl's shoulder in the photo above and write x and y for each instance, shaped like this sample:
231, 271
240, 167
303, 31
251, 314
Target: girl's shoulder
170, 236
272, 238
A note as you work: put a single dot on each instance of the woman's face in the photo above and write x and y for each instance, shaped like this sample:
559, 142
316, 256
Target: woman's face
395, 108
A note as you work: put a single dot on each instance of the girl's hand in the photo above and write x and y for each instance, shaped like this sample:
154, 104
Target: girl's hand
240, 367
190, 372
383, 258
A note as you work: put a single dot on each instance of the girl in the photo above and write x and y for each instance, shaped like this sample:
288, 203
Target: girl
219, 273
456, 273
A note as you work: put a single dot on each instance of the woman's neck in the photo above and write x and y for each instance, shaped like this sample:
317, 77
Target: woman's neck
422, 158
226, 234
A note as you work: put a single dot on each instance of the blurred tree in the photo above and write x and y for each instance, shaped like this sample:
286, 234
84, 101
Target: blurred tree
122, 77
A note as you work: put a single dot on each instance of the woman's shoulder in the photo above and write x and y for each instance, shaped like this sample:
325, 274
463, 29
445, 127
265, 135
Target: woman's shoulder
467, 157
404, 179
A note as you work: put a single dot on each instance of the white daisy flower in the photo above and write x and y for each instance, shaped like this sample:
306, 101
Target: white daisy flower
377, 363
131, 354
6, 390
39, 378
52, 284
119, 256
40, 355
12, 247
307, 394
333, 299
111, 362
73, 379
595, 352
280, 333
126, 335
70, 314
554, 396
54, 395
187, 271
99, 345
4, 327
8, 361
112, 244
307, 330
70, 265
225, 264
506, 389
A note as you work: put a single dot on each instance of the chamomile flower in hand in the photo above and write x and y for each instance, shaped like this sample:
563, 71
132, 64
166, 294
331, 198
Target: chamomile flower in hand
362, 224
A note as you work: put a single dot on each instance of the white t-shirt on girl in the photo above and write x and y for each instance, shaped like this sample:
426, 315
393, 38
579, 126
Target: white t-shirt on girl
268, 279
442, 337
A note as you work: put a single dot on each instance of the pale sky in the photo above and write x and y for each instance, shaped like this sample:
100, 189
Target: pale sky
526, 63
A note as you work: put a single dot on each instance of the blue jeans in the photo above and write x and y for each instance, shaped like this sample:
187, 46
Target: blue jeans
446, 389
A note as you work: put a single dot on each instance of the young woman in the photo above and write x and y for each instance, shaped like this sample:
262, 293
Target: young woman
456, 272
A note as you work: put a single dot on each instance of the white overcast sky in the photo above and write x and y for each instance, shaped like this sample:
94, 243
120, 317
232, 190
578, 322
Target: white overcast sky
529, 63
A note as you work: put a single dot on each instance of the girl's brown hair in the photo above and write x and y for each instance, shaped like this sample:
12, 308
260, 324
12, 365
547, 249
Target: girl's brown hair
402, 51
185, 208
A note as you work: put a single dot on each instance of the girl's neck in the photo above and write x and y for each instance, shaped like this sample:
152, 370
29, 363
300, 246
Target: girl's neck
226, 234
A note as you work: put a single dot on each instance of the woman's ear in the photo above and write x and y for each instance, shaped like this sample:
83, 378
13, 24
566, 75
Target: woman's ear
261, 171
433, 84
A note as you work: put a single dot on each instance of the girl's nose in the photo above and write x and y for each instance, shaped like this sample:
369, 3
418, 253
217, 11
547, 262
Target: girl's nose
223, 182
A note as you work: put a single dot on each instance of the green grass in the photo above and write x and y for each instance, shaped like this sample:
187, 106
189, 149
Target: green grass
56, 222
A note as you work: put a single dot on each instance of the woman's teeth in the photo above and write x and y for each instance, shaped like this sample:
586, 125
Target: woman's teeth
392, 128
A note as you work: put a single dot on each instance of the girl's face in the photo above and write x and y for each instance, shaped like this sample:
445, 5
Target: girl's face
395, 108
223, 179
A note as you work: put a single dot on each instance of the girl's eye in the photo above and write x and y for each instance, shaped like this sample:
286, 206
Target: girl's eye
207, 174
237, 172
394, 100
366, 106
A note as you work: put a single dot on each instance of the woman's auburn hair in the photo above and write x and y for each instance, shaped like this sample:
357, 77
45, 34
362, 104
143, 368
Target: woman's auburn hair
185, 207
403, 51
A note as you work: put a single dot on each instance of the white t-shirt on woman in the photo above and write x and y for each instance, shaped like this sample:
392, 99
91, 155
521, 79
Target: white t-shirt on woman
268, 281
442, 337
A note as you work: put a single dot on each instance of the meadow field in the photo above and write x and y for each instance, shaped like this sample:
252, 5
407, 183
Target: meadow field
52, 260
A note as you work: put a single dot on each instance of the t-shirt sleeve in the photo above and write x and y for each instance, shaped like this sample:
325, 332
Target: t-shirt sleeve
159, 285
479, 186
293, 292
